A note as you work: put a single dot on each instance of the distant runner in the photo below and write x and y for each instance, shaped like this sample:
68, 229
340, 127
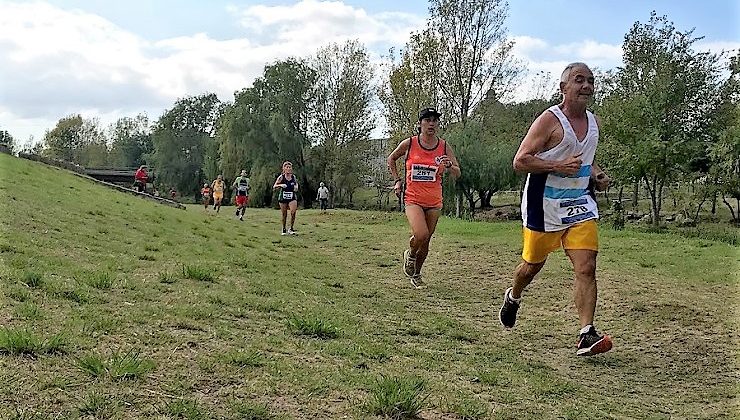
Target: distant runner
241, 184
288, 186
323, 196
141, 178
206, 193
218, 185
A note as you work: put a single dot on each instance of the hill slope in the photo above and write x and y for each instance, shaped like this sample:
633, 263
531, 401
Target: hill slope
116, 307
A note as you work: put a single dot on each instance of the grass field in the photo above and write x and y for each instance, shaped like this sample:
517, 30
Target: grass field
115, 307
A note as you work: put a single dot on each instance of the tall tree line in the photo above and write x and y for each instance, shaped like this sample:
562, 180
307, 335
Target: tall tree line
669, 117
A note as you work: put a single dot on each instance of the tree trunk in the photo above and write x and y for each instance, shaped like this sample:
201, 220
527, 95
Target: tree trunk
458, 204
659, 192
698, 209
635, 192
654, 202
732, 211
485, 198
714, 203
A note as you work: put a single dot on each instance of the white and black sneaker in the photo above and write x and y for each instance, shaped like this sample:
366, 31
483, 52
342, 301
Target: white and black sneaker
409, 264
507, 313
417, 281
292, 232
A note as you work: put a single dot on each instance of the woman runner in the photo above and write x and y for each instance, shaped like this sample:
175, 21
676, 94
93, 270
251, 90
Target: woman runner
428, 157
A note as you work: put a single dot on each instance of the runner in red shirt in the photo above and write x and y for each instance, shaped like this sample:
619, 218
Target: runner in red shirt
206, 193
428, 157
141, 178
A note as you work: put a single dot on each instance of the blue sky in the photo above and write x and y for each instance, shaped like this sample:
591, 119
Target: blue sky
109, 59
559, 21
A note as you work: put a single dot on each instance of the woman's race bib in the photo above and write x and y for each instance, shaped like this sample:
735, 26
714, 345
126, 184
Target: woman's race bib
287, 195
423, 173
242, 188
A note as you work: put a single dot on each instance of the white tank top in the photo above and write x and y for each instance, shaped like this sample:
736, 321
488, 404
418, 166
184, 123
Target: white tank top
554, 201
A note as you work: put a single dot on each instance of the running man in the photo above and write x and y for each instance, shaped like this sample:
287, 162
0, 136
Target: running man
557, 210
218, 185
241, 184
288, 186
206, 193
428, 157
323, 196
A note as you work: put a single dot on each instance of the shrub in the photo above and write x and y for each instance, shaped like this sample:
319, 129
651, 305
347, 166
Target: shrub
198, 273
397, 398
312, 326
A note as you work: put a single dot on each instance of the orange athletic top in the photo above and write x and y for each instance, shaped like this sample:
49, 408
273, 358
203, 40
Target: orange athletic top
424, 174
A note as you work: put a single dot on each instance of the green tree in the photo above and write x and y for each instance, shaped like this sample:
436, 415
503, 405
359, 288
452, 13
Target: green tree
9, 141
180, 140
410, 84
475, 53
266, 125
131, 141
723, 174
661, 108
343, 120
77, 140
94, 152
486, 145
65, 140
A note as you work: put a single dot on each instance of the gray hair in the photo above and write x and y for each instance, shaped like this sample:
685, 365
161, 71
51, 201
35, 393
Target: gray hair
566, 73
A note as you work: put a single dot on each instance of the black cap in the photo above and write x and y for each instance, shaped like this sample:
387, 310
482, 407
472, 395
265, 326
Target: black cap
429, 112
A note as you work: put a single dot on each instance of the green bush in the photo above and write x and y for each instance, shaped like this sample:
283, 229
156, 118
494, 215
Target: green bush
312, 326
397, 398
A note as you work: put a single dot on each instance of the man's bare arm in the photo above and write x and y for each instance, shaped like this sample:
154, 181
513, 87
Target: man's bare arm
534, 142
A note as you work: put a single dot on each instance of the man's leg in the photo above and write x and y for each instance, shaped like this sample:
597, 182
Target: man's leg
581, 243
536, 246
523, 275
584, 266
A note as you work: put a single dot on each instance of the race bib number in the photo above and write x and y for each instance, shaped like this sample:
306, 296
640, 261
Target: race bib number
573, 211
287, 195
242, 188
423, 173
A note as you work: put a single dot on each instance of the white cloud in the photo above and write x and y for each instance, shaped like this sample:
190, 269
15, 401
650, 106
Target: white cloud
733, 47
308, 24
54, 62
544, 60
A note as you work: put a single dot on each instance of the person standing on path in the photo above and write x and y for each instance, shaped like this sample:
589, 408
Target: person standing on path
323, 196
